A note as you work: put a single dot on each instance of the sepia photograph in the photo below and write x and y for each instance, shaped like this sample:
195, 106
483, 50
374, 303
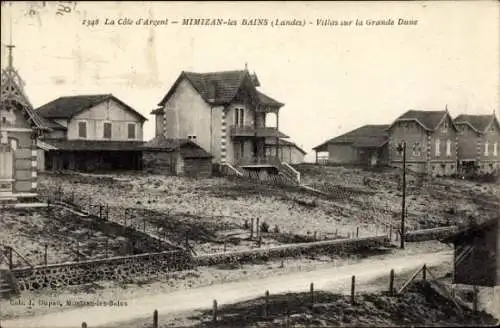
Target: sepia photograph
249, 164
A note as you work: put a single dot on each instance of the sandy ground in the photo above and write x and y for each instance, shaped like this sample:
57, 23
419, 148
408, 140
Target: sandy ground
325, 277
66, 235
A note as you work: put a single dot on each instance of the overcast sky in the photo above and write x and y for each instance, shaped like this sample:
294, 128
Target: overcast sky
331, 78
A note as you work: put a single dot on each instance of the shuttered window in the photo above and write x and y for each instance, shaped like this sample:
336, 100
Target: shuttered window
107, 130
131, 131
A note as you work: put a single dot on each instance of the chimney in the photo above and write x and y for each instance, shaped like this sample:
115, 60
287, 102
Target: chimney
212, 88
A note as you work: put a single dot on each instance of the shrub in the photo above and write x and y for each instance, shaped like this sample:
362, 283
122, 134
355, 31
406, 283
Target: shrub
264, 227
276, 229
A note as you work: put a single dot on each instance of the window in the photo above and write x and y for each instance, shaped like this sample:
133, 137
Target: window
239, 116
417, 149
448, 148
438, 146
131, 131
486, 148
192, 137
13, 144
107, 130
82, 129
495, 149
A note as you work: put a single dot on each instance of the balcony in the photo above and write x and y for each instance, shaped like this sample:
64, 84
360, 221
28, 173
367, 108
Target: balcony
250, 131
259, 161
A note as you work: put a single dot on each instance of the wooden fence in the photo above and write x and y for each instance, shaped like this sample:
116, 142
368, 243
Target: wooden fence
391, 291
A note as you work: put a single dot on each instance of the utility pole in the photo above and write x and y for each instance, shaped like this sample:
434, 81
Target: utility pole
402, 147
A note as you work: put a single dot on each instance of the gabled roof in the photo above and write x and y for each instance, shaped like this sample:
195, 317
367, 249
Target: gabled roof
272, 141
219, 87
427, 119
67, 107
11, 92
367, 136
187, 148
478, 123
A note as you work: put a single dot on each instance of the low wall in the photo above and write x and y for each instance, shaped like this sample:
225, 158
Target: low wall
120, 268
338, 246
430, 234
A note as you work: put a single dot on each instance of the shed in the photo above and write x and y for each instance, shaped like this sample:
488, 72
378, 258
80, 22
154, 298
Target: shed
176, 157
477, 254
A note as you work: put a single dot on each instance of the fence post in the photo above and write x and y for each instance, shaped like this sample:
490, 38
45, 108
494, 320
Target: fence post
266, 308
214, 311
11, 264
257, 229
100, 211
475, 299
353, 284
155, 319
259, 241
357, 232
251, 230
45, 254
390, 233
311, 290
315, 232
424, 272
391, 283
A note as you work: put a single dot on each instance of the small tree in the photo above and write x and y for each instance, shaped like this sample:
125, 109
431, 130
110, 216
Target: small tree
264, 227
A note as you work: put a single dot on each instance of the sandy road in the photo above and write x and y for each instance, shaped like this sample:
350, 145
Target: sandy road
333, 279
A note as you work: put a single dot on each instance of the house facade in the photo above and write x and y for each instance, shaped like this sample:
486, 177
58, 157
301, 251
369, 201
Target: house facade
19, 128
91, 132
479, 142
431, 142
223, 112
366, 145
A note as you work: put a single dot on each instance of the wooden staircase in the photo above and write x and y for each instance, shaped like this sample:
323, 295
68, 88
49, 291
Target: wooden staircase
8, 285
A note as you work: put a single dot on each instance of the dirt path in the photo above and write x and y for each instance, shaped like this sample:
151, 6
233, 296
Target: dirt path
335, 278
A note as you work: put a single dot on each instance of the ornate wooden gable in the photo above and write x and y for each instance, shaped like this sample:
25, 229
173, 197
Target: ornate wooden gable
13, 97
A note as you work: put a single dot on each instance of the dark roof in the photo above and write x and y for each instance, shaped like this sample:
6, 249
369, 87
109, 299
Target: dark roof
478, 122
219, 87
428, 119
270, 132
272, 141
67, 107
94, 145
268, 101
188, 148
472, 231
367, 136
158, 110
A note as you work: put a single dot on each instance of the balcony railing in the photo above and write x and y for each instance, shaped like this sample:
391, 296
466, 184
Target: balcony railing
250, 131
242, 131
259, 161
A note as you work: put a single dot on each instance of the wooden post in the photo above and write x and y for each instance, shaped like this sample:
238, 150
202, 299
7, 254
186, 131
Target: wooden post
251, 230
45, 254
353, 284
357, 232
390, 233
259, 241
266, 300
100, 211
257, 229
424, 272
214, 311
155, 319
311, 291
475, 299
315, 232
11, 264
391, 283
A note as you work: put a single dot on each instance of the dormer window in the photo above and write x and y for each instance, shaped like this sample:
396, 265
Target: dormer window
239, 116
